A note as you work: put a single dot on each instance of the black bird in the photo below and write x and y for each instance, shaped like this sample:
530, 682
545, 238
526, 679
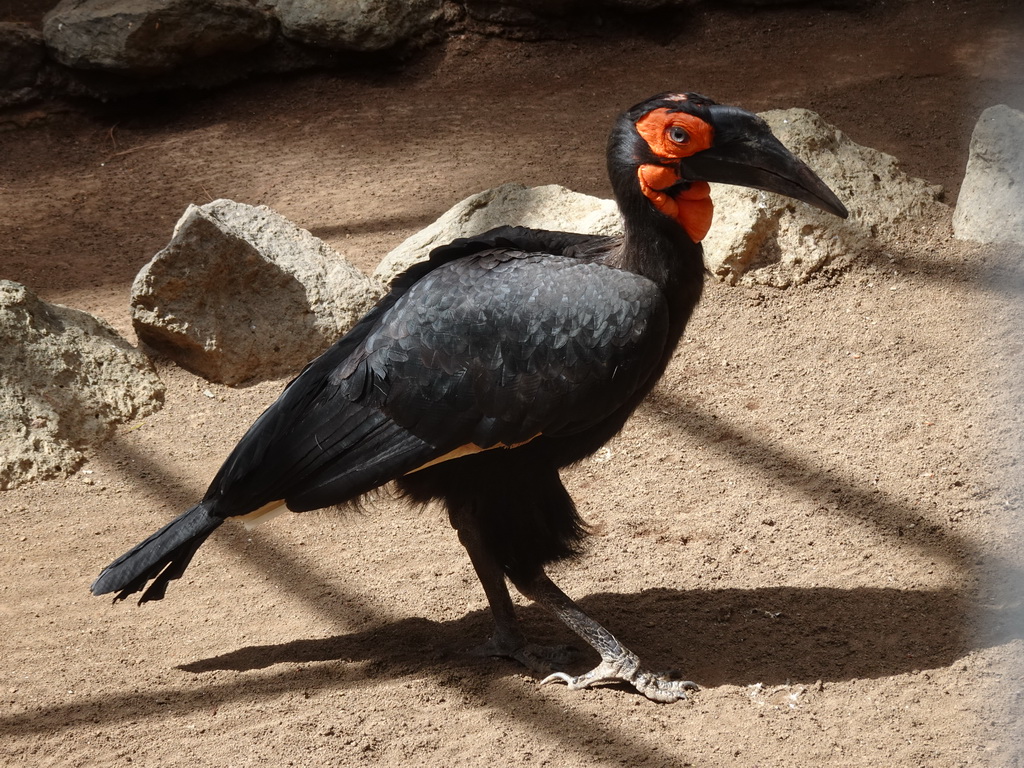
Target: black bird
488, 368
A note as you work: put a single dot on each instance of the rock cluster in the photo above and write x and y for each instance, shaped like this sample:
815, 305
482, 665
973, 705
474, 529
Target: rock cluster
241, 294
112, 48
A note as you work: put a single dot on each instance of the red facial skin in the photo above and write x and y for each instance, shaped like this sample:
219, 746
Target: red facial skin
671, 137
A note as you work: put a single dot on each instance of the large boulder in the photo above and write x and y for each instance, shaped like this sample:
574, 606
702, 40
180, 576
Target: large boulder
549, 207
145, 37
363, 26
763, 238
242, 294
66, 378
990, 208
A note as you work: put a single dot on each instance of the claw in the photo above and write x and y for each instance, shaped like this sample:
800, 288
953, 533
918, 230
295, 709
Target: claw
558, 676
653, 686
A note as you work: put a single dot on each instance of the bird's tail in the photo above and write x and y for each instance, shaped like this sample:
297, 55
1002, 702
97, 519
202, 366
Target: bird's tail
162, 557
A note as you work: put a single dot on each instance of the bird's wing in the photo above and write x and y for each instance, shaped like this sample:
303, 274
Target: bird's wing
505, 345
493, 343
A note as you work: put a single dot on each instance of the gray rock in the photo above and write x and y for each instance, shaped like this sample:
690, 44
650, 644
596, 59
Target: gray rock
990, 208
22, 61
763, 238
548, 207
66, 378
357, 25
241, 294
151, 36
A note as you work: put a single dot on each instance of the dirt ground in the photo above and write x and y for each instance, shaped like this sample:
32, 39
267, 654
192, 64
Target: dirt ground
814, 516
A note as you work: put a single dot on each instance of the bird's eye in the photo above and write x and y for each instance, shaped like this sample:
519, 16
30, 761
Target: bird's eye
678, 135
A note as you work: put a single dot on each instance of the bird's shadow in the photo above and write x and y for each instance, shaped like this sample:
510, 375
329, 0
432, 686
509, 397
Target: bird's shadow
716, 637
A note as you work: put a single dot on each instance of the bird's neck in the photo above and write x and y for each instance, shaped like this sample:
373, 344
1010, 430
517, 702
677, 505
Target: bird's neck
658, 248
655, 244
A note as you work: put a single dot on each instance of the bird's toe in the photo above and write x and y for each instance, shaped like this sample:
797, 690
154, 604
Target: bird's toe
657, 687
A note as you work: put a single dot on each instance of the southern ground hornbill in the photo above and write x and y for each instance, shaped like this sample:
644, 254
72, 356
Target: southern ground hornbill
502, 359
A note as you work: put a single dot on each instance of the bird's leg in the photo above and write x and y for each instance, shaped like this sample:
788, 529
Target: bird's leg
618, 663
508, 639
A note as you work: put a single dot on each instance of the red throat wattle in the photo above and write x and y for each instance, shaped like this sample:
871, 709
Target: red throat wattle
692, 207
672, 136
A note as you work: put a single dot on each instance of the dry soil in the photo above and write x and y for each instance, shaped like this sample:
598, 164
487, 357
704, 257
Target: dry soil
813, 516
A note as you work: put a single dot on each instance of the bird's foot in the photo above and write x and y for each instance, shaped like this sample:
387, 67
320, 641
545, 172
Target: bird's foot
541, 659
626, 669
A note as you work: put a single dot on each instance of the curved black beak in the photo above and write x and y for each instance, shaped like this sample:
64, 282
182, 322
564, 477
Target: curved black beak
746, 153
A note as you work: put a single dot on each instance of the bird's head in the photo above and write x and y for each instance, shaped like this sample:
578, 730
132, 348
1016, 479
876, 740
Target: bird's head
670, 146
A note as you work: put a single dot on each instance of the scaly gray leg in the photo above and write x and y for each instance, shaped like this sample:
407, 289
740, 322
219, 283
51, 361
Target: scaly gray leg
617, 662
508, 640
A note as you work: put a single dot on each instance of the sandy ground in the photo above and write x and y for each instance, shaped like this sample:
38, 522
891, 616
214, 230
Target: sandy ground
813, 517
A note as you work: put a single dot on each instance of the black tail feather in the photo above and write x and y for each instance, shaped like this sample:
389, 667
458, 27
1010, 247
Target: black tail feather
163, 557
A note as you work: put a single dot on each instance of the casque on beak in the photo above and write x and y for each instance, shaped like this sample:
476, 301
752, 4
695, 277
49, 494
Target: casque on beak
746, 153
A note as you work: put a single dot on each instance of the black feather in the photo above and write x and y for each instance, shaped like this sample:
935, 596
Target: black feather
163, 556
516, 500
